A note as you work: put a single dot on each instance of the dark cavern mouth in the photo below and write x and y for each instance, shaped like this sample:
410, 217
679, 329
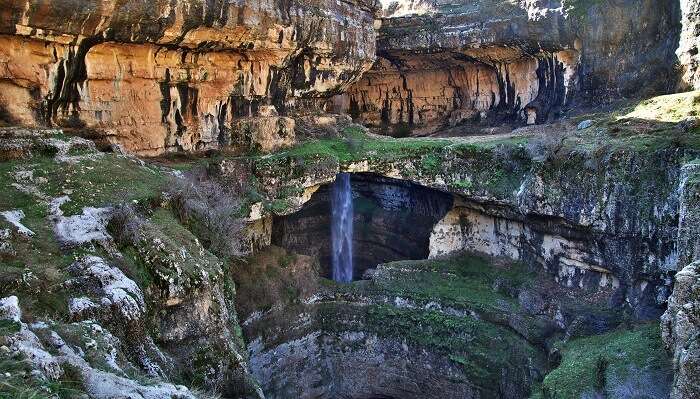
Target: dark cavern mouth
392, 220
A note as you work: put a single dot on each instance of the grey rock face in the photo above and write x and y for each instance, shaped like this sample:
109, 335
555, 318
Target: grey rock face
689, 48
681, 332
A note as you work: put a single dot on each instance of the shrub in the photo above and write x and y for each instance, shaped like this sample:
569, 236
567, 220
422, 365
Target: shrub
402, 130
125, 223
211, 212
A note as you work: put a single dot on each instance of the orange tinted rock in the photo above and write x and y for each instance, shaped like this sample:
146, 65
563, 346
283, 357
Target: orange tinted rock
162, 76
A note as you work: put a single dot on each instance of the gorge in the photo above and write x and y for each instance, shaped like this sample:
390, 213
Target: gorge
349, 199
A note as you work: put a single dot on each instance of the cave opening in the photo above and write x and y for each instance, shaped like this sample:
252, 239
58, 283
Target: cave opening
392, 220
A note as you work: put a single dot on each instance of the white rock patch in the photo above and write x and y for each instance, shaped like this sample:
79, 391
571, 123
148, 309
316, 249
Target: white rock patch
81, 229
116, 290
15, 217
79, 307
9, 309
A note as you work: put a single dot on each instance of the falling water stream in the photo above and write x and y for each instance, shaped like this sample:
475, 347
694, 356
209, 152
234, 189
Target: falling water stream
341, 228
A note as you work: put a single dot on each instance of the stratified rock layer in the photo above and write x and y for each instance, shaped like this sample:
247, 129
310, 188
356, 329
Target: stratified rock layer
492, 61
161, 76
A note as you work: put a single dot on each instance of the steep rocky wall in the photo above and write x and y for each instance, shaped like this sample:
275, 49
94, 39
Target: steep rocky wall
354, 364
680, 325
434, 91
494, 61
398, 335
571, 254
587, 218
681, 330
627, 46
162, 76
689, 49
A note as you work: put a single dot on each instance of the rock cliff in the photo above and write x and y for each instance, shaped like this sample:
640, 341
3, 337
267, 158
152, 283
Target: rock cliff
163, 76
689, 49
488, 62
500, 260
592, 219
681, 329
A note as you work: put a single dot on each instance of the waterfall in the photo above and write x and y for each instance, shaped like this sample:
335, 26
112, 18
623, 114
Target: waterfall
341, 228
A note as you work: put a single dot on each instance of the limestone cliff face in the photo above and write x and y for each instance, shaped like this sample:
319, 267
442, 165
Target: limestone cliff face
688, 49
494, 61
163, 75
433, 91
681, 327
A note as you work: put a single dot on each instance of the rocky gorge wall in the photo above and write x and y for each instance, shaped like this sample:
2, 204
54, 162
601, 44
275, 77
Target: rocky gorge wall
200, 75
167, 76
572, 217
680, 324
492, 62
383, 338
426, 93
689, 51
605, 230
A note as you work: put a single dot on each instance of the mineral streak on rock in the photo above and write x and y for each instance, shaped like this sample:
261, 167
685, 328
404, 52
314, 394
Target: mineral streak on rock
161, 76
490, 62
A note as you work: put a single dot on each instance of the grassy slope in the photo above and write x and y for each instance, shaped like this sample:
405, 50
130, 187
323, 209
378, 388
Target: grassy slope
588, 362
39, 264
37, 269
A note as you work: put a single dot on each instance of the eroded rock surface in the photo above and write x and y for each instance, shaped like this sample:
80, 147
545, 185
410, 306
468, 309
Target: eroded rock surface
571, 217
161, 76
488, 62
689, 49
88, 350
681, 331
395, 337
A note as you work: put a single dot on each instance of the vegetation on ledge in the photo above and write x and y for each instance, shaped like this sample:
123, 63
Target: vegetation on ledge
628, 361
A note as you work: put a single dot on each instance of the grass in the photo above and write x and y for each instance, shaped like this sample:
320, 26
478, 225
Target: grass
37, 269
357, 147
465, 282
587, 361
21, 385
579, 8
91, 182
670, 108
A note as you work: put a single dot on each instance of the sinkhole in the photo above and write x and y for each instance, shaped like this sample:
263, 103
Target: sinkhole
390, 220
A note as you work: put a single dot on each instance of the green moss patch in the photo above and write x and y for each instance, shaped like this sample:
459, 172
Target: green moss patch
590, 364
466, 281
